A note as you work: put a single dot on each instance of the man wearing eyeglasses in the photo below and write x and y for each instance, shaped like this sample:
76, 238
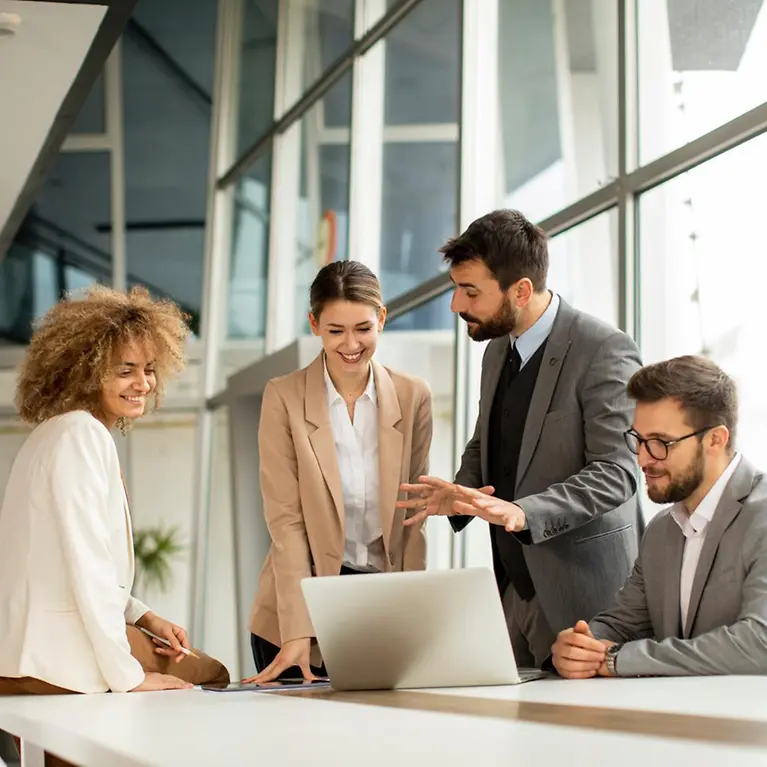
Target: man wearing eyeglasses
696, 600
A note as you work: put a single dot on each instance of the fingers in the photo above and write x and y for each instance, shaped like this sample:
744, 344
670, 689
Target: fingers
436, 482
581, 627
183, 638
407, 487
307, 673
173, 639
577, 674
487, 489
416, 518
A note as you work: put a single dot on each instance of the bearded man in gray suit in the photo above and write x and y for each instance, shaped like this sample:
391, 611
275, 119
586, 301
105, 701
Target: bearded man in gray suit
548, 455
696, 600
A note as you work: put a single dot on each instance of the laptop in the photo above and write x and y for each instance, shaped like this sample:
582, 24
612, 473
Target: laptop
432, 628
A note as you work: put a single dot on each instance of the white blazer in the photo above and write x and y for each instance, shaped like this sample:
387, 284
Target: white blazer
66, 561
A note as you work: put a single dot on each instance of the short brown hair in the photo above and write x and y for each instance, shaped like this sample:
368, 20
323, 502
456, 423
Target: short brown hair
510, 245
345, 281
74, 345
707, 394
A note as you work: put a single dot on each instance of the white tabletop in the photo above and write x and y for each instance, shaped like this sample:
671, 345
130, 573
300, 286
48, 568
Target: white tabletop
202, 728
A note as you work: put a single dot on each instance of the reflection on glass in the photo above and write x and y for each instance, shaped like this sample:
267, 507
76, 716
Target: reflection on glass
557, 81
91, 117
700, 65
167, 141
249, 257
429, 354
319, 32
63, 243
693, 248
583, 266
258, 46
420, 153
323, 204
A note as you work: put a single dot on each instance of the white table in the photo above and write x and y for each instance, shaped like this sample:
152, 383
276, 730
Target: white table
534, 723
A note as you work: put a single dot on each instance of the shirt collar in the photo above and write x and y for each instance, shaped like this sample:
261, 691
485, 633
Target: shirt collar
334, 396
531, 340
700, 518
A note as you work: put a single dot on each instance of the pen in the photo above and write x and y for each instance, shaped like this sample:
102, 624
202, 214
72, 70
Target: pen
165, 641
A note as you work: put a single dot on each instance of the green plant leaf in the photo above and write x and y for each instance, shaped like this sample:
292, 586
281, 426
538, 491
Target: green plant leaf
154, 549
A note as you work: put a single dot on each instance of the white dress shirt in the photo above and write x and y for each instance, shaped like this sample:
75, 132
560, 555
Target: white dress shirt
357, 451
694, 527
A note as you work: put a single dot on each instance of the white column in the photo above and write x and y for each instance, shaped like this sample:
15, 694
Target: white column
286, 176
367, 137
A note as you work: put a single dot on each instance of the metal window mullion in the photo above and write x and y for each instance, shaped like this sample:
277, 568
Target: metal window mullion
213, 315
113, 93
628, 148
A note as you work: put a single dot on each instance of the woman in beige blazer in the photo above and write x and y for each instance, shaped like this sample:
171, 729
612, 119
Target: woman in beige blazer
336, 439
69, 622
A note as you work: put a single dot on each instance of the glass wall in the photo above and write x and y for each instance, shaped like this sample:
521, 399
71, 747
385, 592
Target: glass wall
419, 187
407, 346
557, 76
700, 64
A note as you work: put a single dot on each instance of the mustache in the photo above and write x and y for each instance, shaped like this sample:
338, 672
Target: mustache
468, 317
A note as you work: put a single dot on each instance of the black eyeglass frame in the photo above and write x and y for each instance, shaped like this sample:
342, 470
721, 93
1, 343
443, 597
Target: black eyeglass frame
630, 435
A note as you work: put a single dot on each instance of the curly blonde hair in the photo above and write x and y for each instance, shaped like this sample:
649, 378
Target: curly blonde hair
74, 348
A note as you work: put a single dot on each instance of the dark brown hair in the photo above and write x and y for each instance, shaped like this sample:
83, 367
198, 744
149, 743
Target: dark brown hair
705, 392
507, 243
73, 348
344, 281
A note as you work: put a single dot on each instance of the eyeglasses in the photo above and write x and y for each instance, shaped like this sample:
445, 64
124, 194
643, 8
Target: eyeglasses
655, 446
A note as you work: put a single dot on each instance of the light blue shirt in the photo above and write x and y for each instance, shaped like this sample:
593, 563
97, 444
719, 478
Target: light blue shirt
533, 338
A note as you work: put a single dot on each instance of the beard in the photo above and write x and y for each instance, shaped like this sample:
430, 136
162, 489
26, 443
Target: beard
683, 485
502, 323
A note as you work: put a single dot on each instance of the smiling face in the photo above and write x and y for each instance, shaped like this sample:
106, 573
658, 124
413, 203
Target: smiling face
489, 312
689, 462
130, 382
349, 332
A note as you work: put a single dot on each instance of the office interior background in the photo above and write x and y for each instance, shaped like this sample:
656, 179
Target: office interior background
229, 149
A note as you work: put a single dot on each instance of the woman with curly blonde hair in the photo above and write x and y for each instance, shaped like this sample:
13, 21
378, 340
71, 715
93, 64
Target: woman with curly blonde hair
69, 621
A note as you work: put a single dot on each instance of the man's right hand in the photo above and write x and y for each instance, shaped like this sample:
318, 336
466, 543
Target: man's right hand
577, 654
430, 497
154, 681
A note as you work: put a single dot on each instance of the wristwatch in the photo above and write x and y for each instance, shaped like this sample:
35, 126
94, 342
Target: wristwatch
611, 659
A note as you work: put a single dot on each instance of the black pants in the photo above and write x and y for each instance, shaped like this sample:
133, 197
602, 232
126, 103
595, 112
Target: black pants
264, 652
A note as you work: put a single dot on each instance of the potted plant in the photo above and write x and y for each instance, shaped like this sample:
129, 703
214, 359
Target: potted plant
154, 549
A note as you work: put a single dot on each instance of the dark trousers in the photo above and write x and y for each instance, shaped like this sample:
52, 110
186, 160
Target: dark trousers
264, 652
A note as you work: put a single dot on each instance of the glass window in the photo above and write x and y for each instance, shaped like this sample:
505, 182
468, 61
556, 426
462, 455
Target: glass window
420, 154
557, 82
167, 116
693, 246
323, 207
429, 355
66, 232
258, 46
701, 64
319, 33
583, 266
250, 252
91, 116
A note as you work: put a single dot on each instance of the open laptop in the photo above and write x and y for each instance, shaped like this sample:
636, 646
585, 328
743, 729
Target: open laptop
434, 628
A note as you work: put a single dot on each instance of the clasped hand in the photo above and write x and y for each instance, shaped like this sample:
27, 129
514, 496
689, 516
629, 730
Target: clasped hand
433, 496
578, 654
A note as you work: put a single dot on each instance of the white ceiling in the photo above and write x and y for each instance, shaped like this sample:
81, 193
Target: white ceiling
37, 68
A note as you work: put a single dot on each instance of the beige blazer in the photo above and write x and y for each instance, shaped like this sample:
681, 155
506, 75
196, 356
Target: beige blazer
66, 561
301, 488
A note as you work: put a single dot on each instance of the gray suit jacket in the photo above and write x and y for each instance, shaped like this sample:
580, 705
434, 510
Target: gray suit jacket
576, 479
726, 631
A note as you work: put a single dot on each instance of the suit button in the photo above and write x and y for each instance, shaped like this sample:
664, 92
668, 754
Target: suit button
506, 413
505, 443
546, 533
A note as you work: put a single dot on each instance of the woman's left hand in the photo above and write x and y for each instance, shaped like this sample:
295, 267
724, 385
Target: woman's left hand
163, 628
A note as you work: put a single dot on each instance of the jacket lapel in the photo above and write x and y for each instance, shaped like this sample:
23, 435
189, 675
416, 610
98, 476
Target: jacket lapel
671, 570
321, 439
494, 362
737, 489
554, 354
390, 444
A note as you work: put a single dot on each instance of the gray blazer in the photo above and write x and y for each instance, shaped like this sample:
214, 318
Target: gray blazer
726, 631
576, 479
